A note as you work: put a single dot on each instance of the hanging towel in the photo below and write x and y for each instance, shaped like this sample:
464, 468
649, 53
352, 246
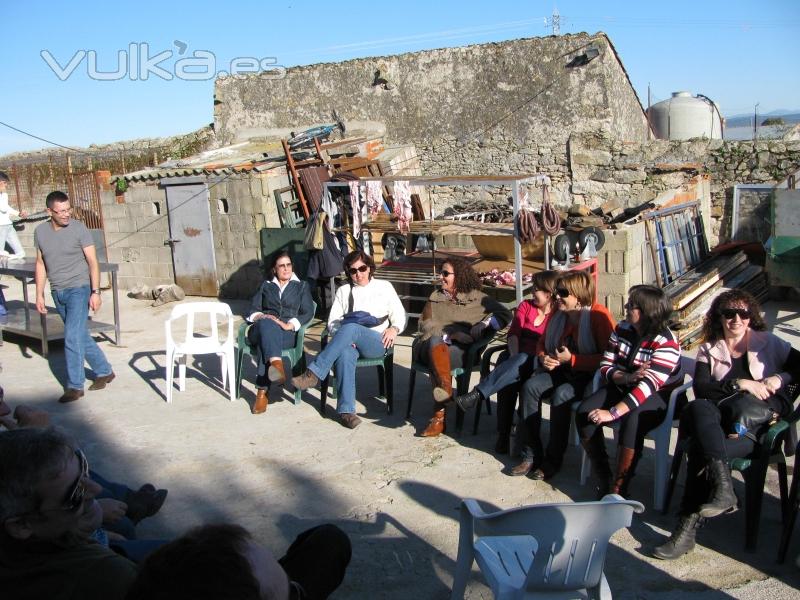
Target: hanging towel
402, 205
355, 206
374, 197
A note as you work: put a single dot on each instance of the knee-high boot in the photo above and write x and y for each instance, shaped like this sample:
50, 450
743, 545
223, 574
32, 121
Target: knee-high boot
626, 465
440, 371
595, 448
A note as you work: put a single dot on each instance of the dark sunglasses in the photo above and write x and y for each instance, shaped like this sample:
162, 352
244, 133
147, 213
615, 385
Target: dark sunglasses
562, 292
730, 313
354, 270
76, 494
445, 273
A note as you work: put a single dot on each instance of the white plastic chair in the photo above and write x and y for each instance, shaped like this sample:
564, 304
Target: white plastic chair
660, 435
200, 345
540, 551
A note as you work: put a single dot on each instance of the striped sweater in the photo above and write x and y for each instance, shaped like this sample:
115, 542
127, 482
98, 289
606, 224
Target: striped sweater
626, 352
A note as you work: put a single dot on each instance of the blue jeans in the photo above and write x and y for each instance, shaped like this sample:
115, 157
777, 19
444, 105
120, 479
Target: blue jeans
350, 342
73, 306
504, 374
117, 491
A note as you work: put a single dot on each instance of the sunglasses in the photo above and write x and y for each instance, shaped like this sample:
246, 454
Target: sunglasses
562, 292
76, 494
445, 273
354, 270
284, 266
730, 313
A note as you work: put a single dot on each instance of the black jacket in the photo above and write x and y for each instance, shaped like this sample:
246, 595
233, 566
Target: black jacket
295, 303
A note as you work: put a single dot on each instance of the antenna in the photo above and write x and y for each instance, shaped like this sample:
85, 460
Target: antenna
554, 22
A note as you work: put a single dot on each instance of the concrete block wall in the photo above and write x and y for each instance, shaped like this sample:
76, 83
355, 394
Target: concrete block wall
620, 265
136, 227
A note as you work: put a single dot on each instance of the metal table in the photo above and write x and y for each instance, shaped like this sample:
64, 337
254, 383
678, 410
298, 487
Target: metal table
49, 327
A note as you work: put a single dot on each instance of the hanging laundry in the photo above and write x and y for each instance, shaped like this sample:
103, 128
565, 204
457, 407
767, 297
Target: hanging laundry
374, 197
402, 205
355, 206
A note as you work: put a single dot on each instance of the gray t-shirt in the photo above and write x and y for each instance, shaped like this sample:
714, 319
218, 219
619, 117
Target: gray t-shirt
63, 253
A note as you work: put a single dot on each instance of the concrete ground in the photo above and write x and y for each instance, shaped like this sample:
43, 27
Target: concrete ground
395, 494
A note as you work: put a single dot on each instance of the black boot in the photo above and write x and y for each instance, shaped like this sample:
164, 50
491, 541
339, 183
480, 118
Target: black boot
722, 499
468, 400
595, 448
682, 539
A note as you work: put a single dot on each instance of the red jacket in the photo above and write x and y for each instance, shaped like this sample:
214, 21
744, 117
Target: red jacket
602, 324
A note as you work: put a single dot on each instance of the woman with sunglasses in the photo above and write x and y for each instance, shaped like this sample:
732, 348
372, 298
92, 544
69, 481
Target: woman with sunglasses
568, 354
364, 321
515, 364
641, 356
456, 315
279, 308
737, 355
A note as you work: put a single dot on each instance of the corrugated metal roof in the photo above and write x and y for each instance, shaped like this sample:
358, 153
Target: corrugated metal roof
228, 160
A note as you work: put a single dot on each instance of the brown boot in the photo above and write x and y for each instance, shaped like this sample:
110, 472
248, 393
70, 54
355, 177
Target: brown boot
440, 372
626, 464
262, 400
276, 372
305, 381
436, 425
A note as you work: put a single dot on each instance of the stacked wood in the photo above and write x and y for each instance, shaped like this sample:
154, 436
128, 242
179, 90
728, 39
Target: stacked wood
693, 292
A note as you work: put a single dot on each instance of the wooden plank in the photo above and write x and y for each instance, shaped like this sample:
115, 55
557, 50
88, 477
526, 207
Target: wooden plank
687, 287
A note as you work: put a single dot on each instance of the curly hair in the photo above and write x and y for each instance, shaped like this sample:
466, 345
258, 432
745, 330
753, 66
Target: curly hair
712, 322
466, 277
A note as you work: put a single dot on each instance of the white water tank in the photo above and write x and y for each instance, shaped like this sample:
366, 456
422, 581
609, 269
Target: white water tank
684, 116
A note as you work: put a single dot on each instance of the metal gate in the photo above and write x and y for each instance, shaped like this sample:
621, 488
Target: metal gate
191, 238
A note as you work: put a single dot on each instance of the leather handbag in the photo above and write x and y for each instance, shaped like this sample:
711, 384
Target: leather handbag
744, 415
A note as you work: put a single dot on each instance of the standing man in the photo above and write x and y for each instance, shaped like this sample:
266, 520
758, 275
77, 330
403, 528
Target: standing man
65, 254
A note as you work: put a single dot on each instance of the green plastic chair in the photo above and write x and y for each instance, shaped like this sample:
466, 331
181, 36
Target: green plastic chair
472, 362
385, 365
296, 354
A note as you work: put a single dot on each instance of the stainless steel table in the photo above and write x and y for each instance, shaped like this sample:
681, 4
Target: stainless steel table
48, 327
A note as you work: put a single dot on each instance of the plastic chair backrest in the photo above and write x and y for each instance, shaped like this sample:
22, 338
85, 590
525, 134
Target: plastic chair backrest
572, 538
189, 310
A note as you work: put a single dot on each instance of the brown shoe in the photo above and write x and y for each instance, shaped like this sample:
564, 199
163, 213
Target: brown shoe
436, 425
522, 469
276, 373
305, 381
350, 420
101, 381
70, 395
544, 472
262, 400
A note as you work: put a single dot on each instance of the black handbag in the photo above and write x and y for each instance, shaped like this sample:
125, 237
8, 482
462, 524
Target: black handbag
744, 415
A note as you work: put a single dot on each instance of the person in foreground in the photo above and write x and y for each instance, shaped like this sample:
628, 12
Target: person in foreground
456, 315
48, 514
224, 562
279, 308
738, 357
65, 254
515, 364
364, 321
641, 355
569, 353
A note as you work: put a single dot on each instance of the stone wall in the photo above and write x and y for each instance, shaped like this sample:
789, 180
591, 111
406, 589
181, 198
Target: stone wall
603, 168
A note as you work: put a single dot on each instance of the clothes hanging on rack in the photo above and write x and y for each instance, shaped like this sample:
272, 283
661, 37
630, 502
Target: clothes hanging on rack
374, 197
355, 206
402, 205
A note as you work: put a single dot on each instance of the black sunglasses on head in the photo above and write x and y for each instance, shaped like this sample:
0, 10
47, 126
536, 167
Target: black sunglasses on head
354, 270
562, 292
730, 313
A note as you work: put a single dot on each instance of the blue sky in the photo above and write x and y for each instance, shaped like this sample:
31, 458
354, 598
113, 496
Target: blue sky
738, 53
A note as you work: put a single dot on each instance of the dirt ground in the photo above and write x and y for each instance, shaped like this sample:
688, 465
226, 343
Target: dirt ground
396, 495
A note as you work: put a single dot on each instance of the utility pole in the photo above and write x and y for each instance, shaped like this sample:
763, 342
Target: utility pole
755, 121
554, 22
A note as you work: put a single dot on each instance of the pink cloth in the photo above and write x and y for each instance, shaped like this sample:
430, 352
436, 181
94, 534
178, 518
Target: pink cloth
766, 355
402, 205
374, 197
523, 326
355, 206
